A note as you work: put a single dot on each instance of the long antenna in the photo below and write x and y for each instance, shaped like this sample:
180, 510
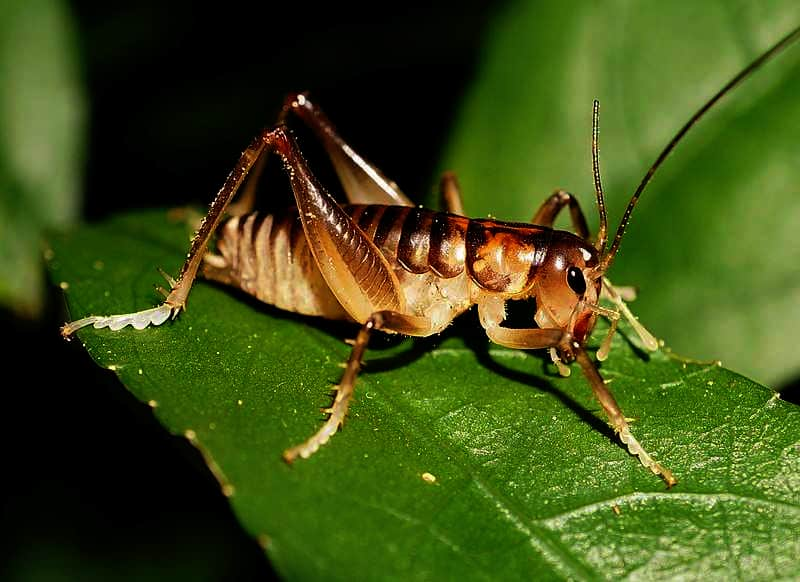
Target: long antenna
605, 262
602, 235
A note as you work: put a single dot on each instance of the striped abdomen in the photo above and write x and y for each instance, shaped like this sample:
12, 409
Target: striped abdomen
267, 256
438, 257
498, 256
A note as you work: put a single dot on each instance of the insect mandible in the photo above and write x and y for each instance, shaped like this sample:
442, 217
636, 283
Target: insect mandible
388, 265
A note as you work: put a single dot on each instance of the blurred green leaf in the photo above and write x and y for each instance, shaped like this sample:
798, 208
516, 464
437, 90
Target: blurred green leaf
713, 244
527, 475
42, 133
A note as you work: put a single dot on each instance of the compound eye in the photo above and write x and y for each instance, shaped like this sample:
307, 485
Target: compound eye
576, 281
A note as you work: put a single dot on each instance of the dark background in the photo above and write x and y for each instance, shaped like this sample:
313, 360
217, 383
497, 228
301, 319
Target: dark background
95, 488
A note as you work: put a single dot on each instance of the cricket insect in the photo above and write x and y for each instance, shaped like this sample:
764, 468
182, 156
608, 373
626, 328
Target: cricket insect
391, 266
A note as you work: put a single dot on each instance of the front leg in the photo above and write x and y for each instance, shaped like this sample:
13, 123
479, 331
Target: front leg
491, 311
617, 419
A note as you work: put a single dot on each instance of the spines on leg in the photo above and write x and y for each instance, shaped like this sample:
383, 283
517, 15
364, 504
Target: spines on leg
637, 450
344, 394
617, 419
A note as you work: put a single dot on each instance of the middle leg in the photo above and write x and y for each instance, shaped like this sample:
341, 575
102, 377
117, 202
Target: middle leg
389, 321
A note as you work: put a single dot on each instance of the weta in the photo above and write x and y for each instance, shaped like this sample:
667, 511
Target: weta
388, 265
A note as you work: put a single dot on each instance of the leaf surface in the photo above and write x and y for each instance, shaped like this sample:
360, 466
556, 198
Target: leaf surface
460, 460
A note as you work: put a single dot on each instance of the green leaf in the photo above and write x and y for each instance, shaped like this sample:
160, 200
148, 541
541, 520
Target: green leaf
528, 478
41, 141
713, 244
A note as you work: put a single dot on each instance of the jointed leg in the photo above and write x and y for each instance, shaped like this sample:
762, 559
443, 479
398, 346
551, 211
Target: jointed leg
492, 312
179, 291
451, 194
612, 294
617, 419
550, 208
328, 226
362, 182
246, 201
381, 320
344, 393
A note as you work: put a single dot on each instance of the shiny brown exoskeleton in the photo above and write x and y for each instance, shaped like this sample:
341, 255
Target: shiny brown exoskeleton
388, 265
